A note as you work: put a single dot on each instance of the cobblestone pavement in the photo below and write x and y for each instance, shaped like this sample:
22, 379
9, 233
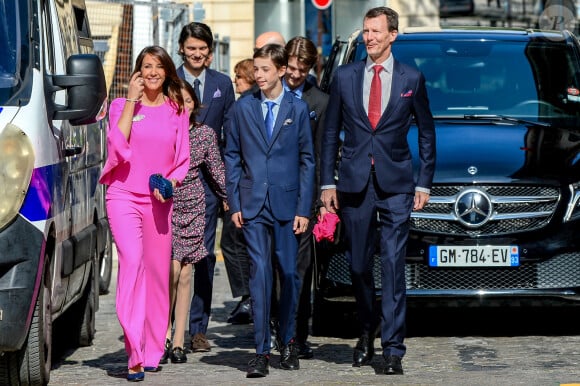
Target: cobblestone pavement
474, 357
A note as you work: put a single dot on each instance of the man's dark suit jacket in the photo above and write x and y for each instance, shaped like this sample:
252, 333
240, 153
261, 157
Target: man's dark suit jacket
387, 144
317, 101
218, 98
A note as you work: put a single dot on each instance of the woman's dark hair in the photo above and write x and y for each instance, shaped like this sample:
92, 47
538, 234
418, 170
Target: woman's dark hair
172, 83
193, 114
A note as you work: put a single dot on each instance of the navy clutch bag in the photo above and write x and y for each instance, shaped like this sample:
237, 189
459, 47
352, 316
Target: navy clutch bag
163, 184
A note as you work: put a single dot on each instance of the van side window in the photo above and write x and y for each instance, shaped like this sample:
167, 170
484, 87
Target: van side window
80, 17
14, 52
83, 30
48, 39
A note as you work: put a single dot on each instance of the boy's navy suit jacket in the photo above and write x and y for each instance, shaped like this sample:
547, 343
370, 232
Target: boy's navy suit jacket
280, 169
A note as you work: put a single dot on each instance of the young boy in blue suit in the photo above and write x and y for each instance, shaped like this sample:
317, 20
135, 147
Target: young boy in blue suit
270, 182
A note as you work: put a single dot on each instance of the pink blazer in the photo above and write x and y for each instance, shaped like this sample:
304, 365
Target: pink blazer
159, 143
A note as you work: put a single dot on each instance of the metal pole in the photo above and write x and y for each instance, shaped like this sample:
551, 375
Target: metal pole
319, 47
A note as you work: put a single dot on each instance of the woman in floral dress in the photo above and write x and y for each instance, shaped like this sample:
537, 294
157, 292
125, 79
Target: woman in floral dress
188, 221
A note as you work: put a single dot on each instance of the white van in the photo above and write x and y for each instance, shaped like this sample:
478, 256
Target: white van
55, 243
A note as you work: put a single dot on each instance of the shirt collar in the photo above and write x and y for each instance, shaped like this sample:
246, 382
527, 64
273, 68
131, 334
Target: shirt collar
387, 64
190, 78
297, 91
278, 100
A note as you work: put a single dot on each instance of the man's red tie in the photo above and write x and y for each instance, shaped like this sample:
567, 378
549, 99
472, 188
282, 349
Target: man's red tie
375, 97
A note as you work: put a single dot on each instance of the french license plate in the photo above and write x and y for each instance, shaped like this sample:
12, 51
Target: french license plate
474, 256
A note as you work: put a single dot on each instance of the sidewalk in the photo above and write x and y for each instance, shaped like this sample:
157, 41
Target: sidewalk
433, 359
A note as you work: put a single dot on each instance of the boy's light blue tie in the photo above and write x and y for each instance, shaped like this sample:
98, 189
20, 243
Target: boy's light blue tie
270, 118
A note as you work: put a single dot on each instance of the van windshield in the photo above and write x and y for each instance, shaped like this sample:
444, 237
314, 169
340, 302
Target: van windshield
536, 80
12, 42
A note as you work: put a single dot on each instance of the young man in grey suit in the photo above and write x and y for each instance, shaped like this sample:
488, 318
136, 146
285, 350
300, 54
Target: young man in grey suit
216, 94
374, 102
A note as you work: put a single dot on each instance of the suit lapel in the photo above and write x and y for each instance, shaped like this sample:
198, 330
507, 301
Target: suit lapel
397, 82
283, 111
181, 72
208, 89
208, 85
358, 90
259, 116
307, 93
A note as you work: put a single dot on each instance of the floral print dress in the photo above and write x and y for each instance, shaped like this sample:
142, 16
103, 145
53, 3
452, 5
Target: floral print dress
189, 198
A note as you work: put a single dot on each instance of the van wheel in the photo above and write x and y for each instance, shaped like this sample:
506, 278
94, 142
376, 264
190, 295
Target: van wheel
106, 264
79, 319
34, 360
87, 329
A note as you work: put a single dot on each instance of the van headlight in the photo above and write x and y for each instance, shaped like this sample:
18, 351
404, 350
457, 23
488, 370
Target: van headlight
16, 165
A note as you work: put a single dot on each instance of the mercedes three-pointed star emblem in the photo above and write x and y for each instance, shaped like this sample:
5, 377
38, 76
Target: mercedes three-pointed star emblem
473, 208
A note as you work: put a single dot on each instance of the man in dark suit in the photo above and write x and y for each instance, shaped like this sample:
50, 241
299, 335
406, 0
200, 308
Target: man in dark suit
302, 57
270, 182
216, 94
374, 102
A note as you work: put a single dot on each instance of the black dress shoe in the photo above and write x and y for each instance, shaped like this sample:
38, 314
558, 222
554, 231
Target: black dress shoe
275, 341
178, 355
363, 351
242, 314
289, 357
166, 353
393, 365
305, 351
259, 366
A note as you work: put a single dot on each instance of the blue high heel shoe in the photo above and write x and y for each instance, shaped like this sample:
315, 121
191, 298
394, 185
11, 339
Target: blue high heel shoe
136, 377
151, 369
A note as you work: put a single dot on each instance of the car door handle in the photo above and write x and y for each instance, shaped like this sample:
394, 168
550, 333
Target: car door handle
70, 151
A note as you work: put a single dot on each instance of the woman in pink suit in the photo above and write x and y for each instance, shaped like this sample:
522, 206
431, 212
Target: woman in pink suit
148, 134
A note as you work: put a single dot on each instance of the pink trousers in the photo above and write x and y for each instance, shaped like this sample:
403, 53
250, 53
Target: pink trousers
141, 228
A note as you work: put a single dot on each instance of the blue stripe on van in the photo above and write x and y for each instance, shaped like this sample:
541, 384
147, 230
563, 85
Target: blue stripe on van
43, 192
